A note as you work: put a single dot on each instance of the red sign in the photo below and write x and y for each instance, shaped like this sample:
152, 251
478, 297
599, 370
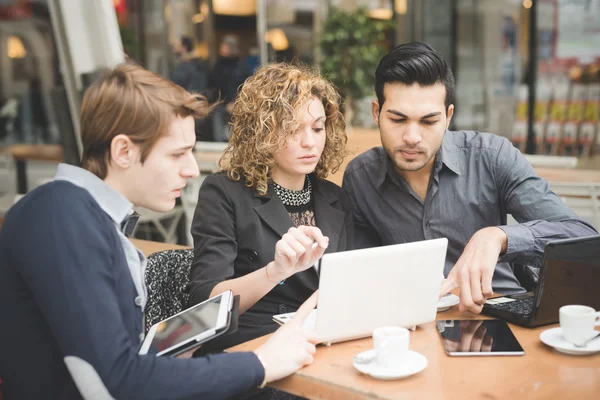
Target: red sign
121, 10
15, 9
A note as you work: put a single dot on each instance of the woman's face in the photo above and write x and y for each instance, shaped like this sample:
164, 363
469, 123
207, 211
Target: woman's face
303, 149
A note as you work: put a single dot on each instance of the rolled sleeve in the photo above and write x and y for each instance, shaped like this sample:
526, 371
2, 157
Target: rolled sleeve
542, 215
520, 240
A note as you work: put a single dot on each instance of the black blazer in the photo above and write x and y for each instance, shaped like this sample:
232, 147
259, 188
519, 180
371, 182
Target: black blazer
235, 230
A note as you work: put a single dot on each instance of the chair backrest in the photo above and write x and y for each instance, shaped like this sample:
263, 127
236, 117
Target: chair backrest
581, 197
189, 201
8, 181
210, 147
552, 161
167, 276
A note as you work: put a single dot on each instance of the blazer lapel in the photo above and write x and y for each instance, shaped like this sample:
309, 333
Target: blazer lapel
329, 219
273, 213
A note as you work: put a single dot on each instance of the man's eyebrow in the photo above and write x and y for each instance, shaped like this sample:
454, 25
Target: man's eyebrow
187, 147
430, 115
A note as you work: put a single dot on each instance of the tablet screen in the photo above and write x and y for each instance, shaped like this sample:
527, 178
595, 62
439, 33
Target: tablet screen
478, 338
186, 325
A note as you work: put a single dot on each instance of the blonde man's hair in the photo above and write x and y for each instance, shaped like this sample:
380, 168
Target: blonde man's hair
263, 119
133, 101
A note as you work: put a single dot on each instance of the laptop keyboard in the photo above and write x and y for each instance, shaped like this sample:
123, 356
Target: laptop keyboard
521, 306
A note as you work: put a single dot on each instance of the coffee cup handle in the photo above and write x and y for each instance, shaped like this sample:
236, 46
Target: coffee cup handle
597, 319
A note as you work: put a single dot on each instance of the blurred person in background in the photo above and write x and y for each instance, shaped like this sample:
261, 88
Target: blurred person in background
228, 73
190, 73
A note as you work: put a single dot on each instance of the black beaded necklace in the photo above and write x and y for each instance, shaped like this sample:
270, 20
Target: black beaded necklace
294, 197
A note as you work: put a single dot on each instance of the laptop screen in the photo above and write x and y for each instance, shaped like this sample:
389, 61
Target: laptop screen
569, 275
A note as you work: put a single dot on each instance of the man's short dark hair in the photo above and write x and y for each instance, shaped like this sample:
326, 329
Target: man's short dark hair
412, 63
188, 43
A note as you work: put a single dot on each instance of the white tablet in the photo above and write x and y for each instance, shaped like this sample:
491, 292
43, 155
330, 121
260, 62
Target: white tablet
190, 328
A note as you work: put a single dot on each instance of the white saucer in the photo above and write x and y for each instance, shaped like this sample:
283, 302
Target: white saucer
447, 301
414, 363
554, 338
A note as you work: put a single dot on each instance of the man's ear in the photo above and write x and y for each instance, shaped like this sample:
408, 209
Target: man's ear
375, 109
449, 115
123, 152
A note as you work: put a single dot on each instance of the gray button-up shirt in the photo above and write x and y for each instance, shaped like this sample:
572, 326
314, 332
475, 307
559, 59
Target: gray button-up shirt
478, 178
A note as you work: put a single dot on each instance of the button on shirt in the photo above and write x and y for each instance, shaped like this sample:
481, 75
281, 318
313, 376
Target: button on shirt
118, 209
477, 179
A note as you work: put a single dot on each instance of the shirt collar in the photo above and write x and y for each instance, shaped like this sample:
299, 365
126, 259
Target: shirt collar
448, 153
111, 201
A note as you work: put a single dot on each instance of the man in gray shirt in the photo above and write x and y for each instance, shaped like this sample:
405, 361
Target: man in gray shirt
428, 182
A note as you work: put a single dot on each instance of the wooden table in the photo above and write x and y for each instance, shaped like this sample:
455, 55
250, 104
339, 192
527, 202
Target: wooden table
542, 373
148, 247
22, 153
569, 175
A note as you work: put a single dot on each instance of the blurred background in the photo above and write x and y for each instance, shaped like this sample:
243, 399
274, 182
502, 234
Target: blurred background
528, 70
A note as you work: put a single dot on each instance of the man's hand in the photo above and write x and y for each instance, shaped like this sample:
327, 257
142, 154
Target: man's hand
297, 251
291, 347
474, 269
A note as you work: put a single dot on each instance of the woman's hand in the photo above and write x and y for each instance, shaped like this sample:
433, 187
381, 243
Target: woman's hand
299, 249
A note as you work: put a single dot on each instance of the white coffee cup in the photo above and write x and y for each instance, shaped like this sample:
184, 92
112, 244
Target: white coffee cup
577, 323
391, 345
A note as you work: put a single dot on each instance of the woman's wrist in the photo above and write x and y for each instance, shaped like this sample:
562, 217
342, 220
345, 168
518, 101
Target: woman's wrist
273, 273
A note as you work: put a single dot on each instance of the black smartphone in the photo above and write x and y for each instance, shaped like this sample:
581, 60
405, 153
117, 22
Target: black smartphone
481, 337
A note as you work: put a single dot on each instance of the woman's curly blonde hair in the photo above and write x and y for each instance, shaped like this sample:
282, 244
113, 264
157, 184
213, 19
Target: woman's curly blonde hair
263, 118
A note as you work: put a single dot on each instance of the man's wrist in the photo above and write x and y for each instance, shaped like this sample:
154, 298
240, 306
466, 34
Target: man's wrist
262, 361
500, 238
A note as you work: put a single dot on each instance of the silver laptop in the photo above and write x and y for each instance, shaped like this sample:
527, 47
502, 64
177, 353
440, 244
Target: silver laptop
360, 290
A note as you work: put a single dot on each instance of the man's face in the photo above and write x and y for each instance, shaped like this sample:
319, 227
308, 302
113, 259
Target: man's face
412, 122
178, 48
158, 182
225, 50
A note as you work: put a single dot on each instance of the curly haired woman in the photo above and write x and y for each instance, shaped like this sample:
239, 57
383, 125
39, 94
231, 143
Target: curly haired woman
264, 220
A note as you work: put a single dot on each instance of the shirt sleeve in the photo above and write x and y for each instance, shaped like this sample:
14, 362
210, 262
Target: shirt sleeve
73, 281
365, 236
541, 215
215, 244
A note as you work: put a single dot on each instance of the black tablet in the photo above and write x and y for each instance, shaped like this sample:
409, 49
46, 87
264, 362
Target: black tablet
491, 337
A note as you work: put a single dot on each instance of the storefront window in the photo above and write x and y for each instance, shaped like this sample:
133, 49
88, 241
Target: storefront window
28, 73
489, 60
568, 82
